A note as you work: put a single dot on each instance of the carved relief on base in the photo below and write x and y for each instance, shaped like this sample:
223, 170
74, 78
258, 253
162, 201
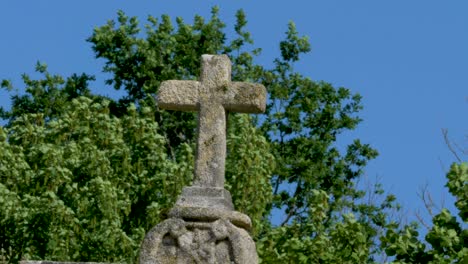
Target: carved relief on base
177, 241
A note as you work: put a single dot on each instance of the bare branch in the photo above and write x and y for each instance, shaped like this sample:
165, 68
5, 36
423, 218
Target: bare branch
442, 165
288, 217
449, 144
423, 194
421, 220
294, 208
429, 204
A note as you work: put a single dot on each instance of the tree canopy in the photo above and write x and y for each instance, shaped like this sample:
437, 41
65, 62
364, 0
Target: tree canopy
84, 176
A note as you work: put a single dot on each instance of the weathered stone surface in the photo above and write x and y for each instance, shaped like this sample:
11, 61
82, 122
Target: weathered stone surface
179, 95
205, 197
185, 242
203, 226
212, 96
211, 214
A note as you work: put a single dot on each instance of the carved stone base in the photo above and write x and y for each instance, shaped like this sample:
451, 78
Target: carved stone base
201, 232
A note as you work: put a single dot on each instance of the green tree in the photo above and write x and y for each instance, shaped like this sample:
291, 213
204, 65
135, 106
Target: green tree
447, 239
83, 177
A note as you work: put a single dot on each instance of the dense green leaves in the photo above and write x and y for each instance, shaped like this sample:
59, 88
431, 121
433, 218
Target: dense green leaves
446, 241
248, 170
457, 184
48, 95
81, 181
345, 241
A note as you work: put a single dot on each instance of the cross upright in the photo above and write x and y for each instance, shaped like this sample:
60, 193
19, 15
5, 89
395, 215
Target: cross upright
212, 96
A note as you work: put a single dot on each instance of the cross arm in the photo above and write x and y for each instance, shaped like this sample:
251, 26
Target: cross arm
245, 97
178, 95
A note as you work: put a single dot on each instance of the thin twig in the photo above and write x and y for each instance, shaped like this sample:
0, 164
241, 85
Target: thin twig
421, 220
427, 204
449, 144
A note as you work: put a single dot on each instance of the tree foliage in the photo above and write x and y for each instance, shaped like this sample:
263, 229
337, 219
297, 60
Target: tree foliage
83, 177
447, 239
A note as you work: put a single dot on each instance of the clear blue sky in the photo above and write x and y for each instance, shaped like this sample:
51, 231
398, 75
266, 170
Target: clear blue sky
409, 60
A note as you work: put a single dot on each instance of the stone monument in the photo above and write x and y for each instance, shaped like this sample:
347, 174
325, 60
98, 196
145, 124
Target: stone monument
203, 226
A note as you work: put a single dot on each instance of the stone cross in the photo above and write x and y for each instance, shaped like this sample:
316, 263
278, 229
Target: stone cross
212, 97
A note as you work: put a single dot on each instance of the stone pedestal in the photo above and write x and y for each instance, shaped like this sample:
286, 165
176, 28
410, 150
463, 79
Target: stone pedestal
203, 228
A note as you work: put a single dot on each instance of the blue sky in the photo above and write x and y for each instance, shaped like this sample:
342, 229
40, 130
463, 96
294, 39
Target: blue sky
408, 59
